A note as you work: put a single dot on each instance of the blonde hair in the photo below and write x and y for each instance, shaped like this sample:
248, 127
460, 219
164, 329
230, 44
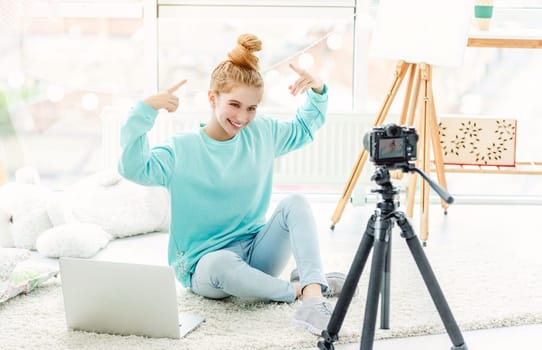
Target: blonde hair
241, 67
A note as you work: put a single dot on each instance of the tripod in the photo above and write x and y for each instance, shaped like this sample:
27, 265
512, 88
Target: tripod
378, 235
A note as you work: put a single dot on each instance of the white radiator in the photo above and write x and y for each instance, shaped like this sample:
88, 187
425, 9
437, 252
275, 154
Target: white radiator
328, 160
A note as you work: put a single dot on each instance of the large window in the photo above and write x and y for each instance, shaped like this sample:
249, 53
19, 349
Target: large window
60, 64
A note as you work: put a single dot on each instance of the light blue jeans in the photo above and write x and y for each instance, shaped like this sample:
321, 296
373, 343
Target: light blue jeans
249, 269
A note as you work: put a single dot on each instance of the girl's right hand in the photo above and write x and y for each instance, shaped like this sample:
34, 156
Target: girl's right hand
165, 99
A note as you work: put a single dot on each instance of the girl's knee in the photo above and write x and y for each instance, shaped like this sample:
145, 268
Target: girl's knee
211, 273
296, 200
219, 260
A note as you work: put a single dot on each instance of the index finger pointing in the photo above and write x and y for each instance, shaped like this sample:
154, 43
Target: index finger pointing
174, 88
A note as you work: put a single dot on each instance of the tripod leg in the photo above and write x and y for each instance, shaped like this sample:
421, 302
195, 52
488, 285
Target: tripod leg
411, 194
385, 293
352, 279
425, 71
431, 283
408, 95
382, 233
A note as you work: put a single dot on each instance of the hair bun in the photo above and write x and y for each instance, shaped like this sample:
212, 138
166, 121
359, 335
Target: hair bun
242, 55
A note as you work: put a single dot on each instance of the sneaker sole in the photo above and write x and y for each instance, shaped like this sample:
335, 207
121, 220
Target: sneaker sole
308, 327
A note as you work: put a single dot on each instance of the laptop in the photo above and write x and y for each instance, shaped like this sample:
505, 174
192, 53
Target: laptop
123, 298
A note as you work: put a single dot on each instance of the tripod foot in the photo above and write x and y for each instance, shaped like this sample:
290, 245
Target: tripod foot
332, 227
322, 345
460, 347
327, 343
424, 243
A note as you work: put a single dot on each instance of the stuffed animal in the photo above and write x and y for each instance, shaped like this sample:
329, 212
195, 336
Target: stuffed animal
80, 220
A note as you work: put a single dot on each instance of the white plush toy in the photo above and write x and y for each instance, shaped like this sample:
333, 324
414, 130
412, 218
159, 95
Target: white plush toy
80, 220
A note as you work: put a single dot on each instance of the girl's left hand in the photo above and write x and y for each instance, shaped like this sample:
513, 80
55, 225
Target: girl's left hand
304, 82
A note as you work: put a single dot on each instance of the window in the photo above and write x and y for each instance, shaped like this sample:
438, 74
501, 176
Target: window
61, 63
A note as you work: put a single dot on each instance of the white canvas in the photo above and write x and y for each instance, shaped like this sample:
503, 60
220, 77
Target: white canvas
422, 31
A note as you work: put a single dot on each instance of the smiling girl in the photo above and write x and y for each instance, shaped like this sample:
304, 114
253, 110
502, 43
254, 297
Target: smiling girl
219, 178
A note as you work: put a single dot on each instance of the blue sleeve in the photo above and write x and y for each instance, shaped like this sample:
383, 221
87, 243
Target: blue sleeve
291, 135
138, 162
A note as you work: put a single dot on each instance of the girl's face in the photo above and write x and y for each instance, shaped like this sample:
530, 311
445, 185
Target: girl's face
232, 111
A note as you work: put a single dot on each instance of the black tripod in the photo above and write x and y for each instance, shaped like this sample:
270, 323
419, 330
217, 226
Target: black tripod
378, 234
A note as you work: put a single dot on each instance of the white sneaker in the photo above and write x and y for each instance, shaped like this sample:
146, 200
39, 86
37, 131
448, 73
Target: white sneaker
314, 315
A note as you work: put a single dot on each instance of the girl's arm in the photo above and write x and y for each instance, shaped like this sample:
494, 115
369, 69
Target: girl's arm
290, 135
138, 162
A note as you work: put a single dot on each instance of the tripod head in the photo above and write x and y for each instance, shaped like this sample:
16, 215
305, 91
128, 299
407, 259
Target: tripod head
382, 178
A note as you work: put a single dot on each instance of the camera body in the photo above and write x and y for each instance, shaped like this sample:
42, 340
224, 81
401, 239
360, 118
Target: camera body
391, 145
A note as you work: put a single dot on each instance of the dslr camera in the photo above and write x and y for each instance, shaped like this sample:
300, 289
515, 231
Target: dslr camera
391, 145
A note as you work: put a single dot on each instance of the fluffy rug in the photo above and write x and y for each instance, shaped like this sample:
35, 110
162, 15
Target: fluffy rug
484, 290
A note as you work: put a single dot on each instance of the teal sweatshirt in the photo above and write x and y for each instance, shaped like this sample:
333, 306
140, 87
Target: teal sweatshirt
219, 190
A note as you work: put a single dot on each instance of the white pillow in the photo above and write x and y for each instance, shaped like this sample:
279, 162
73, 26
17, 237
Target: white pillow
9, 258
75, 240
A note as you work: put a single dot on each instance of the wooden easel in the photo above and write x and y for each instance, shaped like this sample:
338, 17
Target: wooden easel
419, 89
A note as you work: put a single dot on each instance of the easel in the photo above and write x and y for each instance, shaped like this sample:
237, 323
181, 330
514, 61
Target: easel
419, 89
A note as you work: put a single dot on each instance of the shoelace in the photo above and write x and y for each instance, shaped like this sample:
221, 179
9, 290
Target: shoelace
325, 308
329, 292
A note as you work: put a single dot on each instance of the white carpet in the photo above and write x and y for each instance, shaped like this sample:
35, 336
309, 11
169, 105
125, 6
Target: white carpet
484, 290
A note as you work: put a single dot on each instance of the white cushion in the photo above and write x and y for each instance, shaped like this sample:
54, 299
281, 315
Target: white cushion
73, 240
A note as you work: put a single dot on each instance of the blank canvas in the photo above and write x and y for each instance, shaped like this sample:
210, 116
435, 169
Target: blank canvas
422, 31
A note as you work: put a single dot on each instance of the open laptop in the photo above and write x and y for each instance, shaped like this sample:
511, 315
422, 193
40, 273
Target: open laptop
123, 298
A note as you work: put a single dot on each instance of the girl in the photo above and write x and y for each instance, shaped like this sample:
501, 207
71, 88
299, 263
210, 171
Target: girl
219, 178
